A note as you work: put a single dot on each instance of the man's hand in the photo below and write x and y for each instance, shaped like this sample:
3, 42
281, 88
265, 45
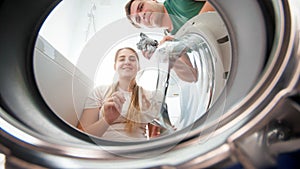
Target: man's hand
166, 38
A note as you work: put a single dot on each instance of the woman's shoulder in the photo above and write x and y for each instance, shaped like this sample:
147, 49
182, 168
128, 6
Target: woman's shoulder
101, 90
102, 87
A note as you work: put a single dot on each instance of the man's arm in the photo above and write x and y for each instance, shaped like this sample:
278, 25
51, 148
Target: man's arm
185, 70
183, 66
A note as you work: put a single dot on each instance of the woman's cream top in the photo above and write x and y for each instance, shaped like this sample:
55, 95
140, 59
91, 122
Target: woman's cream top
117, 131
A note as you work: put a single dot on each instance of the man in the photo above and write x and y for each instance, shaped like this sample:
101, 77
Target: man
170, 15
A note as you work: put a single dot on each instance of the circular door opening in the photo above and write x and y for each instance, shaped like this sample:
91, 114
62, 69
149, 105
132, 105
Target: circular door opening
31, 124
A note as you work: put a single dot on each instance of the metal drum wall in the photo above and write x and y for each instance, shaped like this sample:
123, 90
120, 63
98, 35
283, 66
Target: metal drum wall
258, 125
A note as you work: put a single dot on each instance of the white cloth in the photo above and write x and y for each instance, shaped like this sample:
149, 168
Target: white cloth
116, 131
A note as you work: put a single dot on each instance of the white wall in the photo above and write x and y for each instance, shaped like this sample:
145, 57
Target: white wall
69, 27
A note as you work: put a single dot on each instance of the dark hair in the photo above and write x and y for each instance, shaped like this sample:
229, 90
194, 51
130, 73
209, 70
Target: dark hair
127, 10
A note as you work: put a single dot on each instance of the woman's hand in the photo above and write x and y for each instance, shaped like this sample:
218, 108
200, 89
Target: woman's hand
112, 107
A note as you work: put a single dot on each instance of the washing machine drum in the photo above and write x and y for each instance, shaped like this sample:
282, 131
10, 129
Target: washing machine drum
255, 59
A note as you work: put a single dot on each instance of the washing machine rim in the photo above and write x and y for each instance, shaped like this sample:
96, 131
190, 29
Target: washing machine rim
56, 150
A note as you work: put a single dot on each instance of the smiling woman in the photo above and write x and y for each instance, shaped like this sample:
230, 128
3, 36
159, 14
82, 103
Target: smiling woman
122, 110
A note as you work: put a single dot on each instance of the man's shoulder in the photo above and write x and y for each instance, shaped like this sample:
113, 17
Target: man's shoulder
183, 2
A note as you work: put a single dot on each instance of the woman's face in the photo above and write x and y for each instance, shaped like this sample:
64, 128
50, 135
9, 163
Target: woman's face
126, 64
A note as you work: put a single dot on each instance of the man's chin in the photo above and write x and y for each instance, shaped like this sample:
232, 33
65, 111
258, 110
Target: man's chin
152, 25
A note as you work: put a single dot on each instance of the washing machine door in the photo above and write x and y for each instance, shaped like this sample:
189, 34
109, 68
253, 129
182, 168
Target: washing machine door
252, 121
